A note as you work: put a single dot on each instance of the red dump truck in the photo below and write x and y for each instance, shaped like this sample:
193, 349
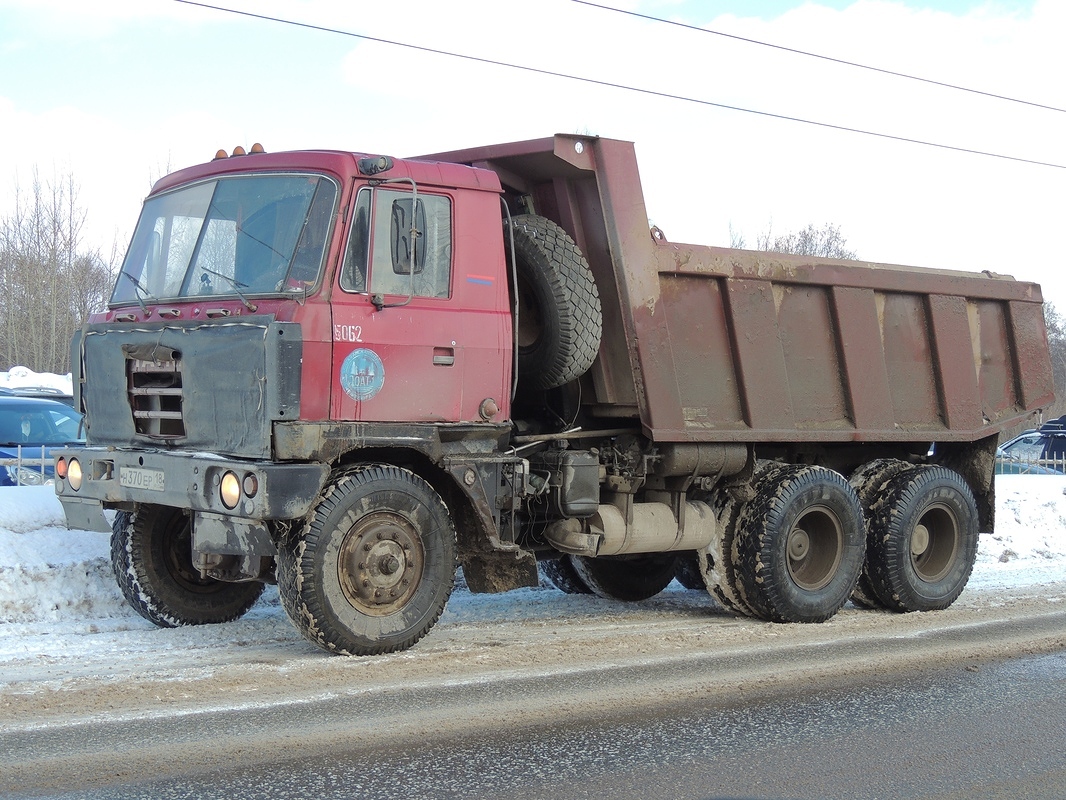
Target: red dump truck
349, 373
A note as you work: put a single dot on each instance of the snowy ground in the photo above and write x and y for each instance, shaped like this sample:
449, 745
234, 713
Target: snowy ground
57, 590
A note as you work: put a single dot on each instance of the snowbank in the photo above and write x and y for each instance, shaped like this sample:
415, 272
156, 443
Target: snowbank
51, 575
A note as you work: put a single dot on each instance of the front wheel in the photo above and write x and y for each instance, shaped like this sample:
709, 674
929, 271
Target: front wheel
151, 555
373, 568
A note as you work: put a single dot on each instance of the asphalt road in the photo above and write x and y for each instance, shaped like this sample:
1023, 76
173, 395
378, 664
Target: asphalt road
990, 732
877, 715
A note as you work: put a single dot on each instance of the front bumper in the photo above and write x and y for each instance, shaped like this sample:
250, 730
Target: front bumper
121, 478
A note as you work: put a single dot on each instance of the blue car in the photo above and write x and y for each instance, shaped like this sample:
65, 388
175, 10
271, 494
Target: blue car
1036, 452
28, 427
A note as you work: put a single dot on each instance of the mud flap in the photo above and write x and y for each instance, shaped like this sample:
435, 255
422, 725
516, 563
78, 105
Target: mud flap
84, 515
500, 571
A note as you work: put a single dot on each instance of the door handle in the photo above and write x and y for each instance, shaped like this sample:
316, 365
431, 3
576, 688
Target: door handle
443, 356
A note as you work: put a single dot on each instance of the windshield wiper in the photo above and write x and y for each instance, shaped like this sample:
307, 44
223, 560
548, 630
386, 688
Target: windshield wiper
236, 287
139, 291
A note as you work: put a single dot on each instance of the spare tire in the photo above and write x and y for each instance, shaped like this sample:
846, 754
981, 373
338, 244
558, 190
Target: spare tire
559, 317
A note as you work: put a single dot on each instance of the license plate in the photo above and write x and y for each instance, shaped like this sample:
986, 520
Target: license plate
138, 478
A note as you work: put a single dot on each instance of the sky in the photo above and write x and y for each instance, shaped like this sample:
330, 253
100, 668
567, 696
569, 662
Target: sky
118, 92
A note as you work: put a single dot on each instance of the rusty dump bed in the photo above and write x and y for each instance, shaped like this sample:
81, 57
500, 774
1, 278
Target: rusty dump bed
713, 344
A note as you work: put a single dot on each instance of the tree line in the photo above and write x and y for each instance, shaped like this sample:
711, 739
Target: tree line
50, 278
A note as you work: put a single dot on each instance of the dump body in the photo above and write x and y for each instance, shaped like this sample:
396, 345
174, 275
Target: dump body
711, 344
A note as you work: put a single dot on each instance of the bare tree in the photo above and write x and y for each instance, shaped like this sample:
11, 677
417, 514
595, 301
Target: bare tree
736, 238
1056, 339
826, 241
49, 280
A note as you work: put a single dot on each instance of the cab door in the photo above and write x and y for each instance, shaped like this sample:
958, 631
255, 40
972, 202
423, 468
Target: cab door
400, 338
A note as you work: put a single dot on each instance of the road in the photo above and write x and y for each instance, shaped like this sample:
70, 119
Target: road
667, 699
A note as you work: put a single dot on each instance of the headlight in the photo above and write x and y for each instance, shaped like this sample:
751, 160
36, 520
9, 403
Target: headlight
26, 476
74, 474
230, 490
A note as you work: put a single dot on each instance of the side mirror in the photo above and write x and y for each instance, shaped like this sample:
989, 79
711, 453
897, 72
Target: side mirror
408, 222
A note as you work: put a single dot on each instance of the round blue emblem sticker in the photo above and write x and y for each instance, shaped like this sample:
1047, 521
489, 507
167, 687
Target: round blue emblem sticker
362, 374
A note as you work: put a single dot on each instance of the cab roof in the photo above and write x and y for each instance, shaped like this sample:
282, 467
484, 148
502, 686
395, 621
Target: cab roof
343, 165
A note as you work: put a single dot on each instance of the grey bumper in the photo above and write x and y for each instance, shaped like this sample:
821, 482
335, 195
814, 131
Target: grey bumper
185, 480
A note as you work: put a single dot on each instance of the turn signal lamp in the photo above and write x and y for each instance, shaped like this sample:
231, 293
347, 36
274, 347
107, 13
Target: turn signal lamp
61, 467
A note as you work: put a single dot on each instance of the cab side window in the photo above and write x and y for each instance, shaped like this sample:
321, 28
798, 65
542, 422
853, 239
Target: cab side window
400, 245
353, 273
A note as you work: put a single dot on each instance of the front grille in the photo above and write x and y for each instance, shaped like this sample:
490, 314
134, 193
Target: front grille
155, 394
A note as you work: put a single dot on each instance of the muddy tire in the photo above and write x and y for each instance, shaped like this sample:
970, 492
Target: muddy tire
372, 569
869, 482
923, 540
561, 574
559, 318
718, 562
628, 578
151, 555
800, 545
688, 572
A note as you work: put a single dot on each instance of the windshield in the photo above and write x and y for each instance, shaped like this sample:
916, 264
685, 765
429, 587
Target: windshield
231, 236
36, 424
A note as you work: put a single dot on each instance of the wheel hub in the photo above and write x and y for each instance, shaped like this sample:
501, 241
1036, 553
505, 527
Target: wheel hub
799, 544
381, 563
935, 543
814, 548
919, 540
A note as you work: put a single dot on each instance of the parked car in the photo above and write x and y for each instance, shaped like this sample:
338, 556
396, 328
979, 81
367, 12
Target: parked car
30, 427
47, 392
1035, 452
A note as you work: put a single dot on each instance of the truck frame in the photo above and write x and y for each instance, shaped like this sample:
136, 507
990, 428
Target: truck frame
349, 373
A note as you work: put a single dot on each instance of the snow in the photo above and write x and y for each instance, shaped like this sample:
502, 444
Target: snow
57, 589
23, 377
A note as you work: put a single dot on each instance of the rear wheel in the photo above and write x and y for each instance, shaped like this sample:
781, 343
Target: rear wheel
628, 578
923, 540
800, 545
869, 482
374, 566
718, 562
688, 571
561, 574
151, 555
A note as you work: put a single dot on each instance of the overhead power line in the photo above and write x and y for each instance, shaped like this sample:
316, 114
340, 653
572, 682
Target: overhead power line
613, 85
822, 57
